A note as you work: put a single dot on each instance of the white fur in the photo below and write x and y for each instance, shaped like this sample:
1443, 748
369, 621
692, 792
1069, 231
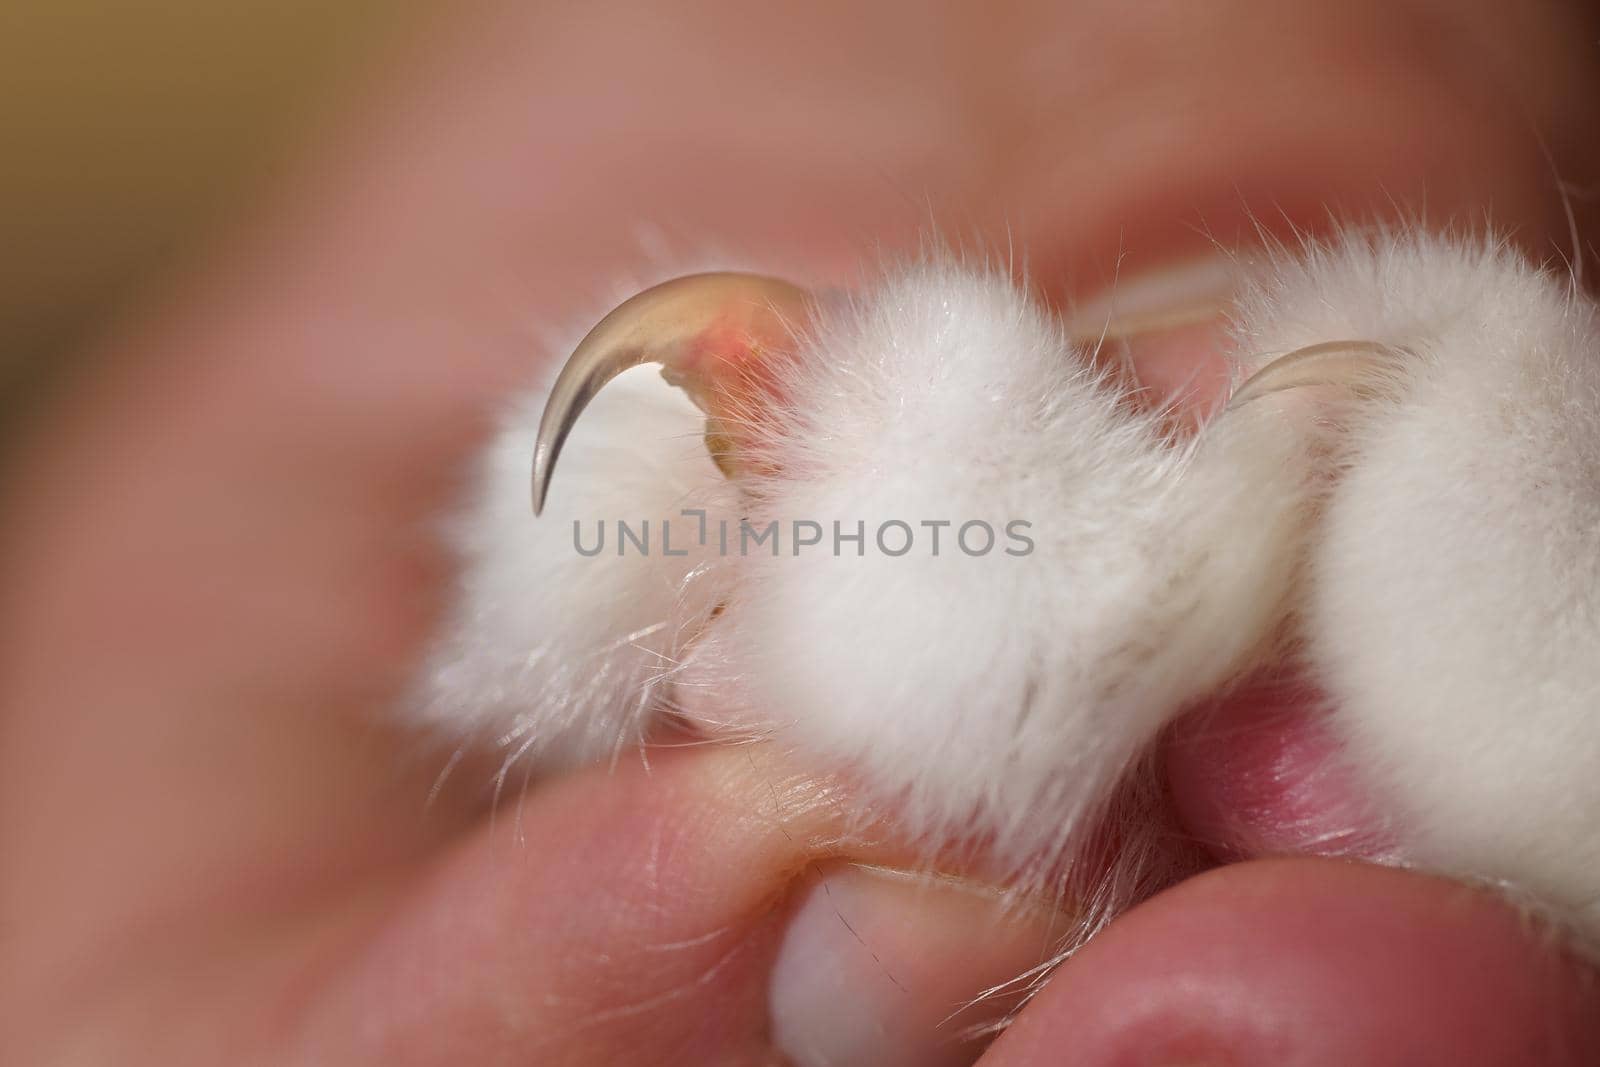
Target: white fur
996, 694
556, 656
1454, 611
1448, 523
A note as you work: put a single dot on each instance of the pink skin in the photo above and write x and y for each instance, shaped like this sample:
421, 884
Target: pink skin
1301, 963
218, 570
1260, 776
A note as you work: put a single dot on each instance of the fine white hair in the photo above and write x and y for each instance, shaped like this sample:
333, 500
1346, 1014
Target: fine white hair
1421, 525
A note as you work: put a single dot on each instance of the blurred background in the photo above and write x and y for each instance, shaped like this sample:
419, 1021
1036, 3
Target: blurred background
128, 129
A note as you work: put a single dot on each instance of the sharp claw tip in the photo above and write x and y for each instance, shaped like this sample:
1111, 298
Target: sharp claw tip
541, 482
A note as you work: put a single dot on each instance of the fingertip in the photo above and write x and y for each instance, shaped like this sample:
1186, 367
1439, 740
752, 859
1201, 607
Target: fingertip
1312, 962
896, 969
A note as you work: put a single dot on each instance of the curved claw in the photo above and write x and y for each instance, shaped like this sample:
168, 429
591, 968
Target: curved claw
1357, 364
688, 325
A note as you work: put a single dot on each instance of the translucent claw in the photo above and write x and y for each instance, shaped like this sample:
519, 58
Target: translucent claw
1361, 366
698, 327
